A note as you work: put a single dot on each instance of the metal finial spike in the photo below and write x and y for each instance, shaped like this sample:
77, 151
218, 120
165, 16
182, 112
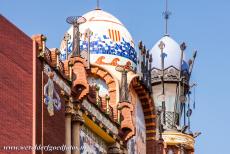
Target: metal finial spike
151, 58
161, 45
98, 5
140, 45
147, 54
143, 50
192, 62
194, 54
183, 46
166, 14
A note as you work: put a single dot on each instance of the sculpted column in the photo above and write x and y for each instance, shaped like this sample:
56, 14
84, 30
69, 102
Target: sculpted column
77, 121
68, 115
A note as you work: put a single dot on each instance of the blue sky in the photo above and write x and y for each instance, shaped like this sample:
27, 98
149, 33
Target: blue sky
203, 25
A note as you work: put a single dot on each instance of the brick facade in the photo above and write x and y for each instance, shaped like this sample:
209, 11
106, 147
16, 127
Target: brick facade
16, 86
54, 126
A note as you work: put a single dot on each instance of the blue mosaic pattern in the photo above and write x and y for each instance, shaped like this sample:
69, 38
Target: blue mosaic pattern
104, 45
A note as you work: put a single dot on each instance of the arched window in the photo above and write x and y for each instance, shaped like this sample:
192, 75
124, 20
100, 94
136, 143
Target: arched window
101, 83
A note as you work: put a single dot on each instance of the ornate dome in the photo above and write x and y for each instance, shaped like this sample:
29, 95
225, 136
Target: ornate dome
172, 54
110, 41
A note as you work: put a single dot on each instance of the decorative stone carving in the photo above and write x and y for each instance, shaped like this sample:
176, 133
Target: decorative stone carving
170, 74
91, 142
175, 138
99, 116
127, 127
69, 107
53, 58
80, 86
77, 117
52, 98
61, 83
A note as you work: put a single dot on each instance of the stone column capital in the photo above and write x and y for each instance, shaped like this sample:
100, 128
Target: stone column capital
115, 149
69, 107
68, 110
77, 117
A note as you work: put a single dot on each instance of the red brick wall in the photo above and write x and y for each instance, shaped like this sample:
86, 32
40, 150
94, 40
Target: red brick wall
15, 86
38, 93
54, 126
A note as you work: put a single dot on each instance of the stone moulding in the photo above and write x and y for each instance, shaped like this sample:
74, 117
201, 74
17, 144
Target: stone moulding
175, 138
99, 116
171, 74
60, 82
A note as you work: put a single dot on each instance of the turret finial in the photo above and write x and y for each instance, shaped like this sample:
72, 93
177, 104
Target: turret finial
98, 5
166, 14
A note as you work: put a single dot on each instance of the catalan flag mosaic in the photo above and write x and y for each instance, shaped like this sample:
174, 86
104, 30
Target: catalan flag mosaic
112, 44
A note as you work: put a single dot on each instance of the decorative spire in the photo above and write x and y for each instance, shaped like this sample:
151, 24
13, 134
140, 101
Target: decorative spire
162, 96
145, 62
166, 14
124, 95
98, 5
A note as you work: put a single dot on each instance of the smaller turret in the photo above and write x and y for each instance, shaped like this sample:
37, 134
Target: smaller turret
170, 81
170, 75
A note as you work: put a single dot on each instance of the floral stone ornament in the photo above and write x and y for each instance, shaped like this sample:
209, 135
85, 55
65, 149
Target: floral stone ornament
51, 97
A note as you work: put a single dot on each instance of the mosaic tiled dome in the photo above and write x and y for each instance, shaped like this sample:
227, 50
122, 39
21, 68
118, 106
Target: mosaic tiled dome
110, 41
172, 54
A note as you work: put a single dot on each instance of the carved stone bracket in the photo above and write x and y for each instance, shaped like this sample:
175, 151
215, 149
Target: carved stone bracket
80, 86
127, 127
